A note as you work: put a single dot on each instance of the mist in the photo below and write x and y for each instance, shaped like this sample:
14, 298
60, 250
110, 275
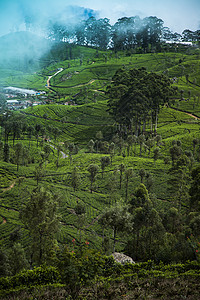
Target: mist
24, 30
35, 15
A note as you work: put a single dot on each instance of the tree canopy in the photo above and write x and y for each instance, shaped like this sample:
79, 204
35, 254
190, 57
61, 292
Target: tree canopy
136, 96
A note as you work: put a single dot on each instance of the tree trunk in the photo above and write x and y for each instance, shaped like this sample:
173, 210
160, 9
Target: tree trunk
144, 126
137, 244
114, 238
151, 121
127, 188
156, 121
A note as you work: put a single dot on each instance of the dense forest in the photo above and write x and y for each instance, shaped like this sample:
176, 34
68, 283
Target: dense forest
104, 164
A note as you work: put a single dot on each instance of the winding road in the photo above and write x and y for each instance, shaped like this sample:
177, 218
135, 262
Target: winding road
49, 78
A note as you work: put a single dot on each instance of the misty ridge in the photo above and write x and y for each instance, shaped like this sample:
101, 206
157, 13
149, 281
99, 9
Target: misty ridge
31, 39
24, 50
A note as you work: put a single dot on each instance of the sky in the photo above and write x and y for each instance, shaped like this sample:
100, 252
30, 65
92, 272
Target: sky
178, 15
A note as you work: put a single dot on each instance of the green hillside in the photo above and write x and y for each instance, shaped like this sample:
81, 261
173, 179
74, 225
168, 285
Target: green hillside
52, 146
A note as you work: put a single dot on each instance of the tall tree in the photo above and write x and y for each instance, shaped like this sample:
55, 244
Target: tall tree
18, 154
179, 183
148, 229
71, 148
30, 132
103, 29
47, 150
6, 152
40, 217
75, 179
128, 175
93, 171
121, 170
118, 218
37, 131
175, 152
105, 161
156, 154
3, 103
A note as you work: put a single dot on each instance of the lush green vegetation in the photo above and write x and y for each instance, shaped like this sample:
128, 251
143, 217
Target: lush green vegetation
84, 162
102, 278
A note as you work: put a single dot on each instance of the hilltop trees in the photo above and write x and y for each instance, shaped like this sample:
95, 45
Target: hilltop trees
132, 31
136, 96
126, 33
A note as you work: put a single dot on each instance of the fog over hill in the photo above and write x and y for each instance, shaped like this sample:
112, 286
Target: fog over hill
22, 51
22, 43
27, 31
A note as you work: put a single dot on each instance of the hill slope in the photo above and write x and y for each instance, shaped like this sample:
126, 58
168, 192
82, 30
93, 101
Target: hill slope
83, 80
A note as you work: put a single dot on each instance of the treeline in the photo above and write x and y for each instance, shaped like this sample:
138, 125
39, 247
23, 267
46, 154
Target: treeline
126, 33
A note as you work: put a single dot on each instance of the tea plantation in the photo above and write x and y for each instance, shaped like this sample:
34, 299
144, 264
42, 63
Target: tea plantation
70, 174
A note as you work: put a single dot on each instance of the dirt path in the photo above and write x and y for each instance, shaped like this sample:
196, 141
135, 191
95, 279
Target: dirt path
10, 187
49, 78
191, 115
187, 113
80, 85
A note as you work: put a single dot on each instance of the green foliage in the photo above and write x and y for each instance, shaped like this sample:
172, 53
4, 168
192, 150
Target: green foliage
118, 218
83, 269
162, 224
30, 278
17, 259
39, 215
134, 93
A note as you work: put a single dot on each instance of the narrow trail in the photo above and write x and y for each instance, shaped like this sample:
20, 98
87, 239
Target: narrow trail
49, 78
84, 84
191, 115
48, 85
10, 187
187, 113
63, 154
